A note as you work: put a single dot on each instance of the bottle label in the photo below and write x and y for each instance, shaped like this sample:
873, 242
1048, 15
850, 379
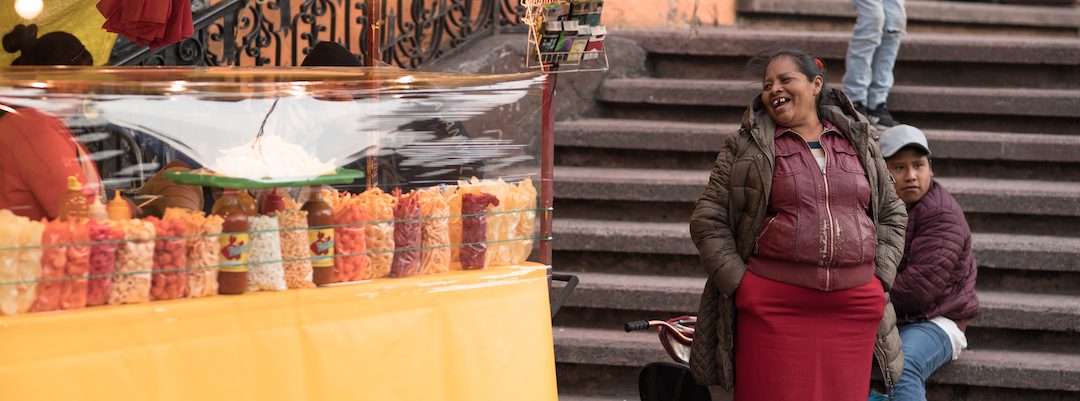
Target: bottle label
234, 252
322, 247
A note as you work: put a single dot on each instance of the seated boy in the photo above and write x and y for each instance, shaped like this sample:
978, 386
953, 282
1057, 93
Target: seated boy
934, 292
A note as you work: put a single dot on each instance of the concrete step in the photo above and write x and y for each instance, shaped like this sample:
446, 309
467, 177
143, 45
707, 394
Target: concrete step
994, 251
625, 143
924, 59
917, 99
603, 133
1050, 111
680, 295
975, 195
607, 133
986, 368
923, 16
953, 49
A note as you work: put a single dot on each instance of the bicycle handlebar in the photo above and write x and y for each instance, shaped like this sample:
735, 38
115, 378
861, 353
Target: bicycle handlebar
636, 325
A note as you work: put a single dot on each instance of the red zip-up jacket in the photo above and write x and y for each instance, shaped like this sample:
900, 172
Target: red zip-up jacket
817, 231
37, 154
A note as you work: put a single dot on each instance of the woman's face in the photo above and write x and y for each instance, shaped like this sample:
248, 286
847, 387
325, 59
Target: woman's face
790, 98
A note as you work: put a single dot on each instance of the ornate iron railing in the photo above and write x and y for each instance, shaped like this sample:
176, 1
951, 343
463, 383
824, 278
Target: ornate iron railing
280, 32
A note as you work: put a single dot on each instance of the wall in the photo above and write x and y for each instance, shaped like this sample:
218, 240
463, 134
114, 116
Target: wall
668, 13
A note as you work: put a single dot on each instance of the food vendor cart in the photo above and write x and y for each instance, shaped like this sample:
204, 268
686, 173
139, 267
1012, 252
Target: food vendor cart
475, 327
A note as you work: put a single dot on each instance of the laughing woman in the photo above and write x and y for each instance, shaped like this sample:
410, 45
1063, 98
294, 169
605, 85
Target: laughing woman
800, 232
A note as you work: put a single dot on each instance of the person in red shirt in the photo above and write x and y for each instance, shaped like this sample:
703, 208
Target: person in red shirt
39, 151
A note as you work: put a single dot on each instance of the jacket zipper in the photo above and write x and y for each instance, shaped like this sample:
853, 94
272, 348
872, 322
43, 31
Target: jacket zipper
764, 202
828, 213
883, 365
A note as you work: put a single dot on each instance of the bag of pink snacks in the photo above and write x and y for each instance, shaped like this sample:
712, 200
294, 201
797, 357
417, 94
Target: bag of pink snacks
169, 280
104, 240
53, 258
407, 236
73, 289
474, 209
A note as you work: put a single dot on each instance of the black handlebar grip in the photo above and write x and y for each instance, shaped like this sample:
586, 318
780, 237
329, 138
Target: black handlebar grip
636, 325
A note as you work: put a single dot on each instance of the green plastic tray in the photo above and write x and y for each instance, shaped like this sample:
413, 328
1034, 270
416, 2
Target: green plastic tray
207, 178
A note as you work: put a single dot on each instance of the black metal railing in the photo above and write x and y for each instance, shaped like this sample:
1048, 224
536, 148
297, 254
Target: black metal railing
280, 32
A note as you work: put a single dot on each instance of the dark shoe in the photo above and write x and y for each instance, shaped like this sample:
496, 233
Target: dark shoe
881, 114
861, 108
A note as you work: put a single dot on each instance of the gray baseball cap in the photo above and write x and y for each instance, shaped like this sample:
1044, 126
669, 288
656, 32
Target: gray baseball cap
900, 136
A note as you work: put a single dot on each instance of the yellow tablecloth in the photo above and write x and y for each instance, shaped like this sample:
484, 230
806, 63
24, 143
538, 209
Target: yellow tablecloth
463, 336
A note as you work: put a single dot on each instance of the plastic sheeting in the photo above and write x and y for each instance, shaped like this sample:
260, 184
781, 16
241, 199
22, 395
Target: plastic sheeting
292, 122
477, 335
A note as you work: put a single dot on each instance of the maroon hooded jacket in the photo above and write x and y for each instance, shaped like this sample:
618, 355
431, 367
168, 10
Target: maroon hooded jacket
936, 276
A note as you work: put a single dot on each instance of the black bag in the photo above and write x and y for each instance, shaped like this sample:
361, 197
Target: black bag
667, 381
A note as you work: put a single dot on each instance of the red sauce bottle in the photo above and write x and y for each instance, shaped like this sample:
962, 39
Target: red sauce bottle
320, 219
234, 243
73, 206
273, 203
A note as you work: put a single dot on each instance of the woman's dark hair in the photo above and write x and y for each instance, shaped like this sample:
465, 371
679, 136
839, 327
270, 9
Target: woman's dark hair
809, 66
53, 48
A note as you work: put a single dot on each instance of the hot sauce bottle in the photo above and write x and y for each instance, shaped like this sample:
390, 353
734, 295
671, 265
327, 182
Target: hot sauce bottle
73, 206
320, 218
118, 208
233, 242
251, 207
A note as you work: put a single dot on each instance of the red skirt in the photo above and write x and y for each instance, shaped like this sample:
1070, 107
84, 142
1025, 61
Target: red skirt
800, 344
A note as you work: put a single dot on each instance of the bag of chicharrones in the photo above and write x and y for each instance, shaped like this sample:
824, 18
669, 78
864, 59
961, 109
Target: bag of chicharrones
407, 235
134, 263
169, 280
435, 242
265, 271
54, 240
105, 238
475, 208
76, 271
202, 250
351, 260
502, 221
20, 262
453, 224
295, 248
379, 233
522, 198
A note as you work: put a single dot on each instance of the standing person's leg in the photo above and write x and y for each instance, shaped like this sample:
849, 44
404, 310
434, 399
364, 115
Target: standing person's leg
885, 55
926, 348
869, 23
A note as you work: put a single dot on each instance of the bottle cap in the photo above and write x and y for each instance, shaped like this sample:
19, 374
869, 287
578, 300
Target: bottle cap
97, 212
273, 202
73, 183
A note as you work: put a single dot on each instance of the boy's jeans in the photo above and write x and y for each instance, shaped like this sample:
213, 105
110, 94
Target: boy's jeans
872, 51
926, 348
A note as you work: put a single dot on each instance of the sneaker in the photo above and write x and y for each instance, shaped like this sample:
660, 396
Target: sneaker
876, 396
881, 113
861, 108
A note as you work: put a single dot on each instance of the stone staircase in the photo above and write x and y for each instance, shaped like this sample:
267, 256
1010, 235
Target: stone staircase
1001, 112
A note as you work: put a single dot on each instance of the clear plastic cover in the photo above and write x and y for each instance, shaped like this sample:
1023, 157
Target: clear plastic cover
282, 123
435, 137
